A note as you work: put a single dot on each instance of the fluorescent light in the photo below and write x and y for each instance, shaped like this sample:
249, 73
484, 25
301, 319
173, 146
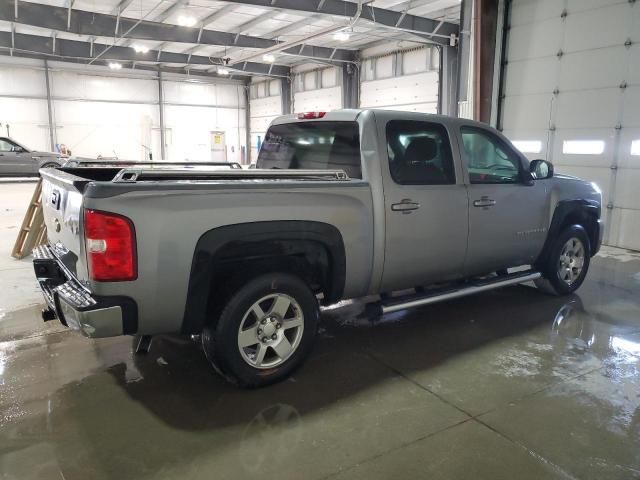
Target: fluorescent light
186, 21
223, 71
140, 48
528, 146
583, 147
115, 65
269, 58
635, 147
341, 36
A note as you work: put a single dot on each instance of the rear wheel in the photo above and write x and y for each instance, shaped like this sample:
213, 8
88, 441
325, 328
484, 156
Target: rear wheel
567, 264
264, 331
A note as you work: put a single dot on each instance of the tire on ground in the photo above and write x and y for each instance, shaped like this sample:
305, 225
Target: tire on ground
551, 281
220, 338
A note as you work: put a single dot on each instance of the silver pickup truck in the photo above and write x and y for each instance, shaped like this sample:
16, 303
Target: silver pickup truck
411, 207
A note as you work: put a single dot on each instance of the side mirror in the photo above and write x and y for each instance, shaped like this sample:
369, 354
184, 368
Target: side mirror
541, 169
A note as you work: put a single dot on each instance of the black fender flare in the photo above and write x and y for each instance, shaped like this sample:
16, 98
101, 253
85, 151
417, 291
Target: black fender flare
213, 241
584, 209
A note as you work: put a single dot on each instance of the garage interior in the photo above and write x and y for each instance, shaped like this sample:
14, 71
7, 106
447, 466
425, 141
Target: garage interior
509, 383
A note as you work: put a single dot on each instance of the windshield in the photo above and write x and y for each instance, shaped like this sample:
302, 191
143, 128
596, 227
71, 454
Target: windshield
312, 146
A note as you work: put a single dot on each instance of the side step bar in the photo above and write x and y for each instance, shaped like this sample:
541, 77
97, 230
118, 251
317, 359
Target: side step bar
448, 293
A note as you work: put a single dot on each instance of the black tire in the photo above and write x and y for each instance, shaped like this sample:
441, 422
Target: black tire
552, 282
220, 338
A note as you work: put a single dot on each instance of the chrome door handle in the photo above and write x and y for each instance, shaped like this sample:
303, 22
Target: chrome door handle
484, 202
405, 206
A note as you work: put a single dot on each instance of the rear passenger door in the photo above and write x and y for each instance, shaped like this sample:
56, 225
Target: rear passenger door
426, 205
12, 162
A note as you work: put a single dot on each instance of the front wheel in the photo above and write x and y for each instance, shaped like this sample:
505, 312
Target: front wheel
264, 332
566, 266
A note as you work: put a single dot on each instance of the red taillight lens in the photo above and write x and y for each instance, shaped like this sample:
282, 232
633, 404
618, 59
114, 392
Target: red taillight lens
310, 115
111, 246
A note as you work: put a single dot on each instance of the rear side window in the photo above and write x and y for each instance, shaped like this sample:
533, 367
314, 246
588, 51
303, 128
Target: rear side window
312, 146
419, 153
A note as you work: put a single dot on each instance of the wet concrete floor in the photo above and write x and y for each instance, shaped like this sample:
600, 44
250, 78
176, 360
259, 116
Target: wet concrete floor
511, 384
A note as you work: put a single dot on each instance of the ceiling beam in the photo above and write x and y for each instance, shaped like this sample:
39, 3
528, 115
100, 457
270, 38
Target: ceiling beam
162, 16
381, 16
103, 25
121, 7
80, 52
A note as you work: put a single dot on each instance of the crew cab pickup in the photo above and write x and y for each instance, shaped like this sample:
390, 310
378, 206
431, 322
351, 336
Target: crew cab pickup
412, 207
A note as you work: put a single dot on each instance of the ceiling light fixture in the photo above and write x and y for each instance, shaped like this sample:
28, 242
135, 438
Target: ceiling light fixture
342, 36
140, 48
269, 58
186, 21
115, 65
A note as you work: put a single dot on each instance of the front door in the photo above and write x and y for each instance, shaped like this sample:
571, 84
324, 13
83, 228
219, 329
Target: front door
218, 147
507, 212
426, 206
14, 161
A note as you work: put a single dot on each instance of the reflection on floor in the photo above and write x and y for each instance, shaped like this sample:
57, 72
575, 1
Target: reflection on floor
508, 384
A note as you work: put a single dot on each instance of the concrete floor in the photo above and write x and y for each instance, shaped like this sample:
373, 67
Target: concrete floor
510, 384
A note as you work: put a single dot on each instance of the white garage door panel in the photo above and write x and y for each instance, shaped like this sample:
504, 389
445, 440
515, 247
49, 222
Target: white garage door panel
627, 190
535, 39
322, 100
594, 68
530, 135
417, 107
527, 11
625, 159
527, 112
596, 28
588, 109
269, 106
409, 91
588, 104
625, 228
602, 160
530, 77
631, 107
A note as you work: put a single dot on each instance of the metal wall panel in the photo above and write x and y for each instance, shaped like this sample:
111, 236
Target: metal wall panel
573, 74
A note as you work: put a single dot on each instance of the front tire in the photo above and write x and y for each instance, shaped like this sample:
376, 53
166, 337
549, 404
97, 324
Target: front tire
566, 266
264, 332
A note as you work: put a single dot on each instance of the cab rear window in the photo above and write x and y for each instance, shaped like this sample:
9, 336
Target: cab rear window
312, 146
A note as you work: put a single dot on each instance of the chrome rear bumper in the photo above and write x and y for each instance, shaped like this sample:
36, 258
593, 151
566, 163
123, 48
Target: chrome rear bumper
74, 305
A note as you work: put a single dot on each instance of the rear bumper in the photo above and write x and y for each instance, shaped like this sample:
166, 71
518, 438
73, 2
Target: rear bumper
75, 306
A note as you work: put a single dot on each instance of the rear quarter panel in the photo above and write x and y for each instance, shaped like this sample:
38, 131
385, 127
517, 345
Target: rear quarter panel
170, 220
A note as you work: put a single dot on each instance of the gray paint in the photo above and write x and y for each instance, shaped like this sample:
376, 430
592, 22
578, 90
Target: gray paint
385, 250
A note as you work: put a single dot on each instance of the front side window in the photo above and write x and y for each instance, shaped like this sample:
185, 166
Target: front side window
6, 146
419, 153
489, 159
320, 145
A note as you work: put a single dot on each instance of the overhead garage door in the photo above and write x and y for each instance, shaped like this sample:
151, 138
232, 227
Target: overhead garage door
406, 80
265, 105
317, 90
572, 95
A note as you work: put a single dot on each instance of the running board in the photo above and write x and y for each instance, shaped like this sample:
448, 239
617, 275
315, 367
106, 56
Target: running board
448, 293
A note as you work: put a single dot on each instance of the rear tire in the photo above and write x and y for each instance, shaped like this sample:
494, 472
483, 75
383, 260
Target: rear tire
566, 266
264, 332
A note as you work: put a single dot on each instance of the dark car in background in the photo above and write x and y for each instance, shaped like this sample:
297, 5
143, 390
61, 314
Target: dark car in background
16, 160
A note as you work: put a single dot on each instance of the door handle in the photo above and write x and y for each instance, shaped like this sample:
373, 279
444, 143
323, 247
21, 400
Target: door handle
405, 206
484, 202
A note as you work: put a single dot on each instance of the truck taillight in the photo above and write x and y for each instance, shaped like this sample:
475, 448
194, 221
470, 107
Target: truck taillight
310, 115
111, 246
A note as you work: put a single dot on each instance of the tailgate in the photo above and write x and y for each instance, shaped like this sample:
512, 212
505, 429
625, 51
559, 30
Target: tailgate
62, 208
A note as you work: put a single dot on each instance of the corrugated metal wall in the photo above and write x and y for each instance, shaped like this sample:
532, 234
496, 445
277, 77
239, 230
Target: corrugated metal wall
572, 91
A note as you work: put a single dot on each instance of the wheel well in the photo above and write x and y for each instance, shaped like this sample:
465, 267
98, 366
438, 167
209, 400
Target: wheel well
586, 220
226, 257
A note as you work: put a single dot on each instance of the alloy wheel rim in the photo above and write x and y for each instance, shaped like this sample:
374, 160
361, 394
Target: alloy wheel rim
571, 261
270, 331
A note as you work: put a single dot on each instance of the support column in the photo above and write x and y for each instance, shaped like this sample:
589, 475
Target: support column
247, 121
449, 81
163, 142
350, 86
285, 95
52, 125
